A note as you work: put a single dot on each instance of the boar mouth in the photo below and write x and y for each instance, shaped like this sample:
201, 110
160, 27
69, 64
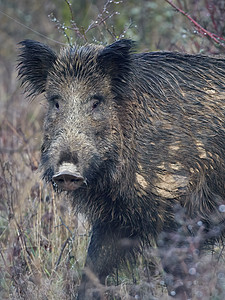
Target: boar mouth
68, 178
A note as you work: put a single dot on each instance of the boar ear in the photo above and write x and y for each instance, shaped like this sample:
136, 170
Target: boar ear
115, 59
34, 63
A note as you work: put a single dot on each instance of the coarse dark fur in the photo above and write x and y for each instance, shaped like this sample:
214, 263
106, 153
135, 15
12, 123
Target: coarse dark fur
147, 132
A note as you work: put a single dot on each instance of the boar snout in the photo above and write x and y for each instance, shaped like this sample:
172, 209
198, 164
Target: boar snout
68, 178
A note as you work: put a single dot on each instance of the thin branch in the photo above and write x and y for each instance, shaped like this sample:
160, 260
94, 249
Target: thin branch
68, 241
202, 30
61, 252
100, 21
65, 226
221, 252
70, 8
61, 27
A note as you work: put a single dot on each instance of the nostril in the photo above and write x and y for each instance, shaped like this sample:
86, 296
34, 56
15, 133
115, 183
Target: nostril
59, 180
76, 179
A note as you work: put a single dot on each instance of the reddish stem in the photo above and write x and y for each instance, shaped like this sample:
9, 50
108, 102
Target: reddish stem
202, 30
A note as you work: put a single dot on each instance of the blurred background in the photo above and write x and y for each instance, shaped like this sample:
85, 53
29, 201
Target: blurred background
42, 242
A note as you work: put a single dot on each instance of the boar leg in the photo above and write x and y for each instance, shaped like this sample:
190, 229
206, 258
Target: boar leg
106, 251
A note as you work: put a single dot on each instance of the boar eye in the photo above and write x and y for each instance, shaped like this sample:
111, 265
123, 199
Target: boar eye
54, 100
95, 104
96, 101
57, 105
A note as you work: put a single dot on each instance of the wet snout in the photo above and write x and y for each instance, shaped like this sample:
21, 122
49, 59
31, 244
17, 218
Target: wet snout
68, 178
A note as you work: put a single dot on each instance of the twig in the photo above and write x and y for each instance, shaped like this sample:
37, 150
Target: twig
70, 8
221, 252
61, 27
100, 21
202, 30
65, 226
103, 17
3, 258
61, 252
68, 240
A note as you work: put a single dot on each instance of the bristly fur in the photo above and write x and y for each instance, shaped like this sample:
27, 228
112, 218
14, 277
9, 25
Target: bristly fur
34, 65
116, 60
146, 130
37, 61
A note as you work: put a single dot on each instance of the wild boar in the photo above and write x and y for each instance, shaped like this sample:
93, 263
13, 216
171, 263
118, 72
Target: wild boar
138, 141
